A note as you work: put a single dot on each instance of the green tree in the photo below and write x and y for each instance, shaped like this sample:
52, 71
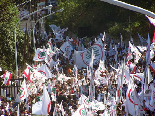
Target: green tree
101, 16
8, 19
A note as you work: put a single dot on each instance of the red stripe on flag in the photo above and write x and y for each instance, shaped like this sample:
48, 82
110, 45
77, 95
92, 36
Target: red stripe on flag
9, 79
134, 69
152, 69
28, 76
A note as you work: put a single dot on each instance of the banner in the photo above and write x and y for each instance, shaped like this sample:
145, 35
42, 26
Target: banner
66, 48
44, 70
83, 57
39, 55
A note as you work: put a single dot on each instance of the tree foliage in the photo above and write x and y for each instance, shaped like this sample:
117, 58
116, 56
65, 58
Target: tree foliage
8, 19
101, 16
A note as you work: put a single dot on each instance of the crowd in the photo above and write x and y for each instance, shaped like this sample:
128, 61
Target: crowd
66, 94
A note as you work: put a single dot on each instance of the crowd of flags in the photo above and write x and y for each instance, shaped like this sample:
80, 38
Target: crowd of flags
125, 73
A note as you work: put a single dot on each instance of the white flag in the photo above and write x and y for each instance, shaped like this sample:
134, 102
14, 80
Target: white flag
132, 101
148, 51
22, 94
66, 48
149, 76
46, 103
48, 56
40, 55
44, 70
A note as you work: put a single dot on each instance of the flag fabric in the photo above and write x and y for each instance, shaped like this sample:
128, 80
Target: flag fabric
78, 59
27, 72
72, 40
54, 28
80, 111
132, 67
119, 89
150, 99
138, 76
129, 56
133, 51
36, 108
44, 70
100, 74
97, 106
48, 56
148, 51
40, 54
126, 77
22, 94
152, 20
7, 77
49, 44
84, 100
66, 48
46, 103
153, 40
152, 67
62, 78
149, 76
132, 99
83, 58
38, 76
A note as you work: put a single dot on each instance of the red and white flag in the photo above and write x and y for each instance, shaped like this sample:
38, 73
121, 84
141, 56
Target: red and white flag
72, 40
80, 111
27, 73
7, 77
132, 67
22, 94
132, 50
138, 76
153, 40
66, 48
132, 101
44, 70
48, 56
40, 55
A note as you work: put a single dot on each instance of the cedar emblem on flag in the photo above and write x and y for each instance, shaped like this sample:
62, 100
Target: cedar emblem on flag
7, 77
